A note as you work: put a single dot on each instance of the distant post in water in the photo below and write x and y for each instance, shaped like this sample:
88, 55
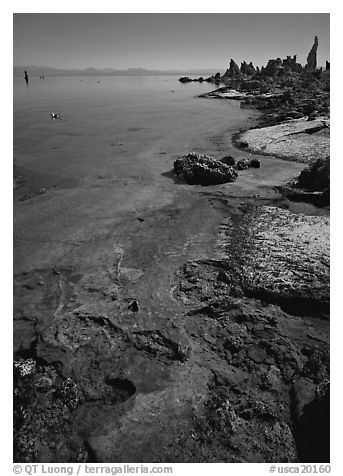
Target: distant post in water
26, 76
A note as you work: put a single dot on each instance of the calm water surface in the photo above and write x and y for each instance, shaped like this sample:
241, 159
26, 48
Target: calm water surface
110, 120
108, 159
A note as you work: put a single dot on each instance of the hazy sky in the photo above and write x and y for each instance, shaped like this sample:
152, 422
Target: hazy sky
166, 41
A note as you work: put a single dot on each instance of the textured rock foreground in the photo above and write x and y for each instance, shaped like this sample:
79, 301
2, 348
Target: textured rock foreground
200, 169
221, 359
277, 257
262, 306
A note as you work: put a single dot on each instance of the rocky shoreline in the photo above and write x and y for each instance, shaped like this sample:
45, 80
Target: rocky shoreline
199, 334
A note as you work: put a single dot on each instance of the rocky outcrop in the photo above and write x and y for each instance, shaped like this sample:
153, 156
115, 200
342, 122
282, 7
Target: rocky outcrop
185, 79
233, 72
256, 304
272, 68
316, 177
290, 64
296, 139
198, 169
216, 79
251, 263
247, 69
311, 64
225, 93
313, 184
281, 67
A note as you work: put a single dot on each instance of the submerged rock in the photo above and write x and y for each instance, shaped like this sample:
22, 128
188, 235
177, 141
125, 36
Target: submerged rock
199, 169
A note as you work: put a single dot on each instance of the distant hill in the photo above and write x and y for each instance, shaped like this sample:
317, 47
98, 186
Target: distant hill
49, 71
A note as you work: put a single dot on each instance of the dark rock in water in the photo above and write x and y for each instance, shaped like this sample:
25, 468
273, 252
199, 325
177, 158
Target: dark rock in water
185, 79
327, 65
198, 169
243, 164
311, 64
255, 163
228, 160
316, 177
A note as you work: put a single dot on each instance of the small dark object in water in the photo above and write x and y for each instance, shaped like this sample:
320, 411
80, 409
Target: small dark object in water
228, 160
56, 115
26, 76
255, 163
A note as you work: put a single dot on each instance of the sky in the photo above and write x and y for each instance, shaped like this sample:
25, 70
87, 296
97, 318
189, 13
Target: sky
165, 41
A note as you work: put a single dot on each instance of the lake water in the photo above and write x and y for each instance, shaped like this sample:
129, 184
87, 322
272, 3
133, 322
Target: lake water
110, 156
108, 120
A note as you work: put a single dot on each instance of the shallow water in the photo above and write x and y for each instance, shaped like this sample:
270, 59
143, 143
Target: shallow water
110, 156
108, 120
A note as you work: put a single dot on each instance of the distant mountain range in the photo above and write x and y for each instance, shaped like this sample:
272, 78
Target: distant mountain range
49, 71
